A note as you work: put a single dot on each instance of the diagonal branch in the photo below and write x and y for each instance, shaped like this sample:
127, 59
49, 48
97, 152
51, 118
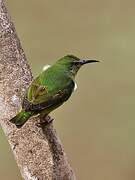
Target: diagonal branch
37, 150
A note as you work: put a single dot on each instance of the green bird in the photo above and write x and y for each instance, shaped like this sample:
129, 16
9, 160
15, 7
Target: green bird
50, 89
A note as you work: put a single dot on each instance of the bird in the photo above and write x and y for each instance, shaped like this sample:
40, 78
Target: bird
50, 89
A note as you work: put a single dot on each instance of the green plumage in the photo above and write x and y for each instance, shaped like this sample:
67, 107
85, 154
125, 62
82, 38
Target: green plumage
21, 118
50, 89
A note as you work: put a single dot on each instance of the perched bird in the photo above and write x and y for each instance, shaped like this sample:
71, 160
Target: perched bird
50, 89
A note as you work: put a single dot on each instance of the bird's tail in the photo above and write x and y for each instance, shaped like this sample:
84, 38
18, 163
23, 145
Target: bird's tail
20, 119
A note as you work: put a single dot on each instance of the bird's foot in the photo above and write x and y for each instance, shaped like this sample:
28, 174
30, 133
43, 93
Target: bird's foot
44, 121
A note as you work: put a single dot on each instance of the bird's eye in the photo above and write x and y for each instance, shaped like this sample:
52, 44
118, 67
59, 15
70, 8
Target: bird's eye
76, 63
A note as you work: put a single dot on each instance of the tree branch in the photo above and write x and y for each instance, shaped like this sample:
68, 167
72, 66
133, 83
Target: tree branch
37, 150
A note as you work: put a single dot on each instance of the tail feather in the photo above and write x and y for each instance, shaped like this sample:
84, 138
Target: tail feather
20, 119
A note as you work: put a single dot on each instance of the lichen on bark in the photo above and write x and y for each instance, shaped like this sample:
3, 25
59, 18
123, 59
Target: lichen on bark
37, 150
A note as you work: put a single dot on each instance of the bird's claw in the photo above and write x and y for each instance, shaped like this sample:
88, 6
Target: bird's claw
44, 121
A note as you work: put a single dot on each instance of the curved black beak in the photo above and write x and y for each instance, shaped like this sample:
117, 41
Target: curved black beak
83, 61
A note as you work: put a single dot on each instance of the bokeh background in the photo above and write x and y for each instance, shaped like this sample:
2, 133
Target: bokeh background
97, 125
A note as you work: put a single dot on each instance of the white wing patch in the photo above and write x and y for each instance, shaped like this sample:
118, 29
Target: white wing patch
75, 88
46, 67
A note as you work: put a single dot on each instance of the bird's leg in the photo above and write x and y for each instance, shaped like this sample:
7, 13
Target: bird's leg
44, 120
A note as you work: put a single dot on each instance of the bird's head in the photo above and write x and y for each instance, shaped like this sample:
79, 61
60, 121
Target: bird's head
72, 63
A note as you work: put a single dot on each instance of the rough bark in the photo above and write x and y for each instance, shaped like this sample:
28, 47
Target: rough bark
37, 150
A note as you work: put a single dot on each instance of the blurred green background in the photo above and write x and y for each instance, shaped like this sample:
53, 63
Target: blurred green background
97, 125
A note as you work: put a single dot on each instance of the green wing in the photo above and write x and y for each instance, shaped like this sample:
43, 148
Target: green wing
37, 93
41, 96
